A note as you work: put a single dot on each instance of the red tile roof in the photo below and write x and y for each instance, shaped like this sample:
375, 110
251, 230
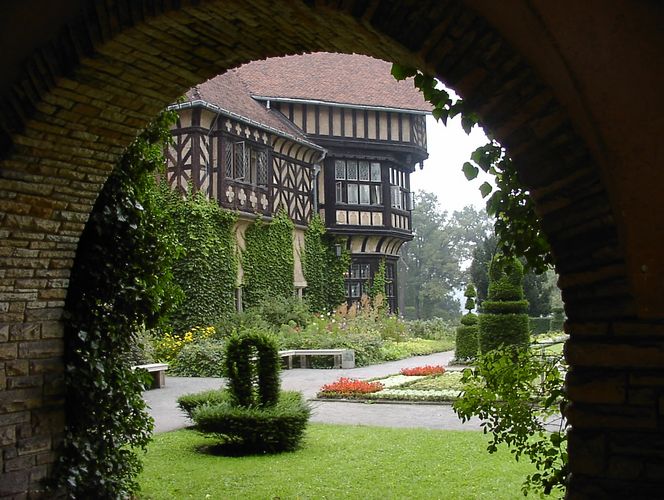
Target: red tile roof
337, 78
230, 93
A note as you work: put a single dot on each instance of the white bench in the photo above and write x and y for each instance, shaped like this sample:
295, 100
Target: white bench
343, 358
158, 372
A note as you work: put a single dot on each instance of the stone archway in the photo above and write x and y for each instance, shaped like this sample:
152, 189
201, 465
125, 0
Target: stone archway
81, 79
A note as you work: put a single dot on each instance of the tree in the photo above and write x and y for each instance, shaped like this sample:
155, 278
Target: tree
431, 262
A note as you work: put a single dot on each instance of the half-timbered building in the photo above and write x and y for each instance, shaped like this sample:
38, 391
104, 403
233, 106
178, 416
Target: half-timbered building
322, 132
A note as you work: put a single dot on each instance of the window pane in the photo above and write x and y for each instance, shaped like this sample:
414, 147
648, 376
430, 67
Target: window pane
351, 170
261, 175
396, 196
340, 192
375, 172
376, 192
352, 193
364, 270
364, 194
228, 160
339, 169
355, 290
364, 170
389, 271
240, 160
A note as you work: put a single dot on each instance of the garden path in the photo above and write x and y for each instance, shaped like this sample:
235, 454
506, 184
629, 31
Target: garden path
163, 402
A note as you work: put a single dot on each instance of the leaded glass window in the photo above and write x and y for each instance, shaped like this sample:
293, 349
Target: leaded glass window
340, 169
364, 170
358, 182
351, 170
375, 172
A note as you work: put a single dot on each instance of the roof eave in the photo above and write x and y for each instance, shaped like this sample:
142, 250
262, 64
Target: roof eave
248, 121
340, 104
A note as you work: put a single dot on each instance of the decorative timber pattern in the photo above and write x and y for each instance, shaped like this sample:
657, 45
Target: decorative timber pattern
292, 187
242, 166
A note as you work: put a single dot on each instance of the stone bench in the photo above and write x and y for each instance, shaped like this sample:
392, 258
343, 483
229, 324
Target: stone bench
343, 358
158, 372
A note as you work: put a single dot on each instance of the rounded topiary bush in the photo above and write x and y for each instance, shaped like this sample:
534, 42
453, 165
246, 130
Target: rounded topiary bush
504, 318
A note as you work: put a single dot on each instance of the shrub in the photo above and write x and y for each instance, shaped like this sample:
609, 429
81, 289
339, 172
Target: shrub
278, 310
252, 368
423, 370
503, 320
141, 351
250, 430
558, 320
431, 329
467, 341
168, 346
200, 359
350, 387
539, 325
189, 402
252, 415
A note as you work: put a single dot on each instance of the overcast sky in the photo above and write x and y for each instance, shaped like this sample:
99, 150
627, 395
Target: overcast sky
449, 147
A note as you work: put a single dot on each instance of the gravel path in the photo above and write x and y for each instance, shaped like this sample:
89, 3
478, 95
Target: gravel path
167, 415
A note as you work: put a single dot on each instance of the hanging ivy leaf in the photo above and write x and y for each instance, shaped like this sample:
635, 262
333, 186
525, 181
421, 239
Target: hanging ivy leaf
470, 171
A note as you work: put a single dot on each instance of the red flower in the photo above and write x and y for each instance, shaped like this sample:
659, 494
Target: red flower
351, 386
423, 370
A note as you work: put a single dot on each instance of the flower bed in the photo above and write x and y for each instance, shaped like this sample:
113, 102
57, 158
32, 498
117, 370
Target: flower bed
349, 388
440, 387
423, 370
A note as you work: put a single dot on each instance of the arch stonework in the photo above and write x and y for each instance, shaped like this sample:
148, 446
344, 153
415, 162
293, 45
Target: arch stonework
571, 90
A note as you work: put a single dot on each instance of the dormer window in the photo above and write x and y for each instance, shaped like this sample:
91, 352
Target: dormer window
358, 182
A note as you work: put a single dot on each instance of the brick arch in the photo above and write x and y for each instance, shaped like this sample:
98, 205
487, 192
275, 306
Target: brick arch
83, 95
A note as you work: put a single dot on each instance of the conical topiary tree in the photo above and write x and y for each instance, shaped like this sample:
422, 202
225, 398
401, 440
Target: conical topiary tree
467, 344
504, 316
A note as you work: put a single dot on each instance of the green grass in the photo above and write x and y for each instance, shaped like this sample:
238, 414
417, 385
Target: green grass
337, 462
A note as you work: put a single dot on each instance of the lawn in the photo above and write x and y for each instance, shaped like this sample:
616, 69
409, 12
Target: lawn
337, 462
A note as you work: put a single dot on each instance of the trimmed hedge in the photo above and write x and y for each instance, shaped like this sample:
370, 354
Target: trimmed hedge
558, 320
189, 402
252, 367
539, 325
250, 430
503, 329
504, 320
505, 306
467, 342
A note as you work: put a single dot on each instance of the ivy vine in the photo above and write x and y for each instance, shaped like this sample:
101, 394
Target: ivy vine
379, 281
121, 281
268, 259
323, 270
207, 269
517, 225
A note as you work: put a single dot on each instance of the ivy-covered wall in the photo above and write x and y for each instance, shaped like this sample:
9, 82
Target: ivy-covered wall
206, 271
323, 270
268, 259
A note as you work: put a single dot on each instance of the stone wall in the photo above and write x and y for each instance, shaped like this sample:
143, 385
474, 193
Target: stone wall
81, 97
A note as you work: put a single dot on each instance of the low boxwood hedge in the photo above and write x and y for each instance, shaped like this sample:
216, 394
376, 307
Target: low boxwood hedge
252, 430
